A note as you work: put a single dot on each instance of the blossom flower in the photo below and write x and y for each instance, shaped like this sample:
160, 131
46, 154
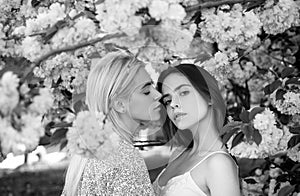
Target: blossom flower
83, 29
265, 120
171, 10
27, 139
294, 153
273, 139
42, 102
241, 73
124, 19
219, 66
157, 9
8, 138
73, 72
45, 18
278, 17
91, 135
32, 49
290, 104
9, 96
230, 30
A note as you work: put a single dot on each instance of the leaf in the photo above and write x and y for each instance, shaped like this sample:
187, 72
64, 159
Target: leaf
295, 81
78, 97
230, 126
257, 137
58, 135
244, 116
63, 143
250, 181
204, 56
286, 72
279, 94
270, 88
79, 106
45, 140
229, 134
294, 130
294, 140
237, 139
49, 126
248, 131
286, 190
255, 111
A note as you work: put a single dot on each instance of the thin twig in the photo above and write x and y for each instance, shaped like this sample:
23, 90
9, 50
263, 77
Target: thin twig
210, 4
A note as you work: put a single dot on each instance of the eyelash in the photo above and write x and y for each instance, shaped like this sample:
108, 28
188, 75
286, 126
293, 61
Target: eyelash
146, 93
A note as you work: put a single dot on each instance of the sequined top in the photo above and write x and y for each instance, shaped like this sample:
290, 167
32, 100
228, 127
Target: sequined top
122, 173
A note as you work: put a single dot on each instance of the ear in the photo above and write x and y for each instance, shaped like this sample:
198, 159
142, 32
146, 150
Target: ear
119, 105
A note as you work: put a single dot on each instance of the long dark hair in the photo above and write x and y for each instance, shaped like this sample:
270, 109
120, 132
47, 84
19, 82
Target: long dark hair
207, 86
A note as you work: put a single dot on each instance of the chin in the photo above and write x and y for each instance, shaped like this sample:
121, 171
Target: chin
155, 116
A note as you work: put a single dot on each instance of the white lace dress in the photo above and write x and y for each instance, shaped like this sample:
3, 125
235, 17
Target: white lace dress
123, 173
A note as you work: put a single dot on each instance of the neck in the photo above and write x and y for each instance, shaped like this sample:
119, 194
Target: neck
131, 126
206, 136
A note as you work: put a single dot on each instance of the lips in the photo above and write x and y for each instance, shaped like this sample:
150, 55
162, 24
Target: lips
157, 106
178, 115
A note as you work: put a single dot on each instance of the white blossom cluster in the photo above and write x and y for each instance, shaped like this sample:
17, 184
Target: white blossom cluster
24, 132
278, 17
117, 15
230, 30
290, 104
220, 66
83, 29
6, 7
294, 153
9, 94
271, 143
91, 135
73, 72
45, 18
241, 72
167, 10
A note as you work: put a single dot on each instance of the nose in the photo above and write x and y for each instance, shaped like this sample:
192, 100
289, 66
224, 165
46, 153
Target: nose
156, 95
174, 103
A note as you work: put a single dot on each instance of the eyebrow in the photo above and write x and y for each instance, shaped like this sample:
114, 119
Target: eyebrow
147, 84
176, 89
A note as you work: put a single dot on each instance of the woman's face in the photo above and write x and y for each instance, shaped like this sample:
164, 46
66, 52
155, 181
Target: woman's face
185, 106
144, 102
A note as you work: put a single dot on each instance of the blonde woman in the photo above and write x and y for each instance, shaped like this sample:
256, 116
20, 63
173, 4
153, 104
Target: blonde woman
201, 165
118, 86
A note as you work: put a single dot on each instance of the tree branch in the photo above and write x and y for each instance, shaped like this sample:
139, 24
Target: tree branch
210, 4
75, 47
69, 48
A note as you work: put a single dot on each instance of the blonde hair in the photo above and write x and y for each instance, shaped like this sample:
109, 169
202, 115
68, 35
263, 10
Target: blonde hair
110, 77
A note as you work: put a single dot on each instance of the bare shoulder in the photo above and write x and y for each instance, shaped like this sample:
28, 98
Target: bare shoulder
222, 178
221, 161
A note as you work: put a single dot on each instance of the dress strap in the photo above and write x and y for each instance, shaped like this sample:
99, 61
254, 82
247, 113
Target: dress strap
212, 153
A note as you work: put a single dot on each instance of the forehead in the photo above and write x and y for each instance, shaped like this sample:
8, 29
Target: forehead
174, 80
141, 78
